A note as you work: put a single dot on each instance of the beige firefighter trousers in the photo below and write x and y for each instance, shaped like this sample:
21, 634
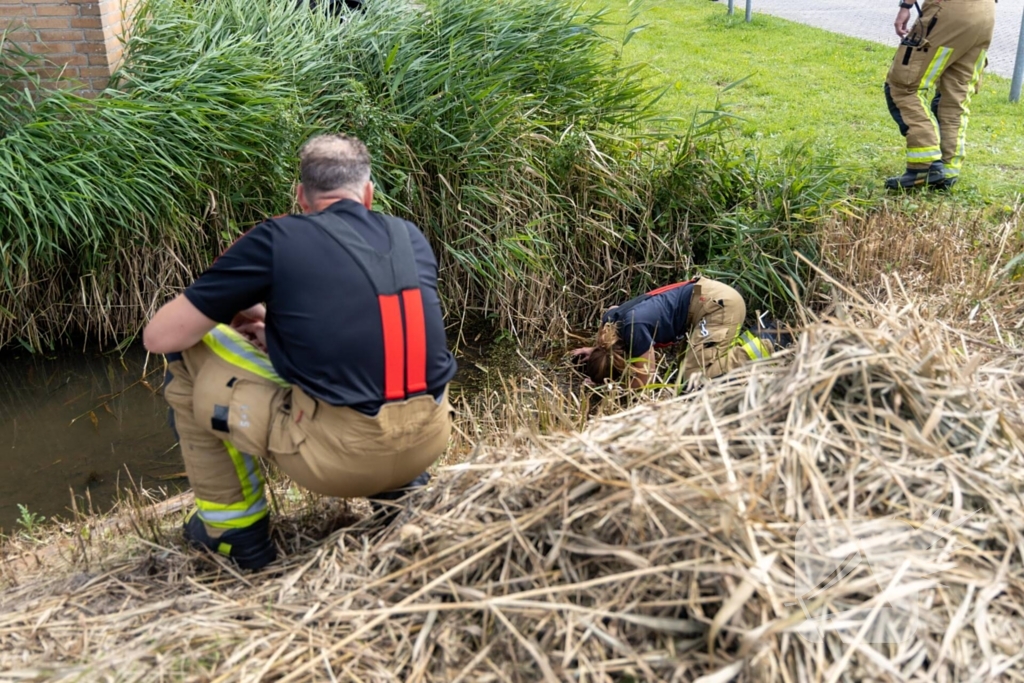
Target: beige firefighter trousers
716, 314
945, 49
230, 409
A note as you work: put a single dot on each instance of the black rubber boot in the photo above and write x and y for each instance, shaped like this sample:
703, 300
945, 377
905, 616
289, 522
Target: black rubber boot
385, 505
933, 177
775, 332
250, 548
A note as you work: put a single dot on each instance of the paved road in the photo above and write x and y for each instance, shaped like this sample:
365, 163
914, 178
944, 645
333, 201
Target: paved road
873, 19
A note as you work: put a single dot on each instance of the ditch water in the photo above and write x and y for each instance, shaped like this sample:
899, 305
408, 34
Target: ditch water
81, 422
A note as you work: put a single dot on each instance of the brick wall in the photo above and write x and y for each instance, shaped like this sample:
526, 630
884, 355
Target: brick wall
79, 39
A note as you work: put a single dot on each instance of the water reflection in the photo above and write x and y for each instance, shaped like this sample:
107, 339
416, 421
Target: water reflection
78, 420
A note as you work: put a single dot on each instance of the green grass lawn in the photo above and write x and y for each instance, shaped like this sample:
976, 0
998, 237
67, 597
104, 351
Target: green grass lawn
810, 87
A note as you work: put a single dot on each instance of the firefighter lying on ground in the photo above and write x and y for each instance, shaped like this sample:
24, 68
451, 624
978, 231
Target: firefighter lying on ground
706, 314
350, 397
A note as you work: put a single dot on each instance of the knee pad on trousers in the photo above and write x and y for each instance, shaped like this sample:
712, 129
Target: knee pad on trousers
894, 111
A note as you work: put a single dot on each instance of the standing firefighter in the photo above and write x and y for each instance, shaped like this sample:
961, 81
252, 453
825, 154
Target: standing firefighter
349, 398
945, 50
706, 314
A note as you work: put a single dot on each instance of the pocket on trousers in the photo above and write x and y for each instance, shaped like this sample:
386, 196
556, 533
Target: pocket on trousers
249, 417
178, 388
718, 338
908, 69
714, 316
915, 52
285, 434
211, 398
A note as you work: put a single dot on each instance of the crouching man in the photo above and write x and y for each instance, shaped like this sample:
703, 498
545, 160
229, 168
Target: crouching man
340, 380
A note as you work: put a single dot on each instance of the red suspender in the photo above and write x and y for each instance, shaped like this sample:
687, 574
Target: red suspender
394, 347
674, 285
415, 341
405, 346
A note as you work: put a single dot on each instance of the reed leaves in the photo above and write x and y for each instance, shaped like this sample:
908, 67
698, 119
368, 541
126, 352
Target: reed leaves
535, 161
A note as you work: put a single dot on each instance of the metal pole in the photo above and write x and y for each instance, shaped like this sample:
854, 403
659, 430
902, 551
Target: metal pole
1018, 66
748, 10
730, 7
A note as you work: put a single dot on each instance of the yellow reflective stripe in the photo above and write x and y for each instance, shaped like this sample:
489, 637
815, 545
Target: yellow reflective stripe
934, 70
922, 150
753, 346
236, 516
224, 549
937, 66
253, 505
249, 474
931, 117
924, 155
236, 349
965, 114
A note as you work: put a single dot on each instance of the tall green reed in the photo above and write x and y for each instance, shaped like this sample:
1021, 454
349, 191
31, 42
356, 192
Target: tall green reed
509, 130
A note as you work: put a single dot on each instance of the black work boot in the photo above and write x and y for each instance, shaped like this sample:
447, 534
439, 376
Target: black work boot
934, 177
385, 505
250, 547
775, 332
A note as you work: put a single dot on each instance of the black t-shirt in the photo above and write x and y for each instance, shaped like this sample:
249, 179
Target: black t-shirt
311, 287
649, 320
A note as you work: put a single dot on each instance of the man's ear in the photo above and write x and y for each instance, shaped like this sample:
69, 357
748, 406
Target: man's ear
368, 195
300, 197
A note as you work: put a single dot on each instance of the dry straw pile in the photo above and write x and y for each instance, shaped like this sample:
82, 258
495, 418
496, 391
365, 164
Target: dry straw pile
850, 511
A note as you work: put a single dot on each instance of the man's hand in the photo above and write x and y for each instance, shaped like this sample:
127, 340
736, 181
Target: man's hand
253, 314
251, 324
902, 22
255, 332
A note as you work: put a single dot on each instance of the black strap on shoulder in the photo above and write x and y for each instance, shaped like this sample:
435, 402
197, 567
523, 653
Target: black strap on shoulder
390, 272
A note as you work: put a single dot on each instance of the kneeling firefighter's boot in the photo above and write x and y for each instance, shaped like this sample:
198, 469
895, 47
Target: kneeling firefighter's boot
934, 176
385, 509
775, 332
249, 547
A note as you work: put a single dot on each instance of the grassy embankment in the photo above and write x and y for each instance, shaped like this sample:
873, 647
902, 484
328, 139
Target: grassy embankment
811, 88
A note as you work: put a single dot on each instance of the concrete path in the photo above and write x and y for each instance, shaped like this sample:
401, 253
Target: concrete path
873, 20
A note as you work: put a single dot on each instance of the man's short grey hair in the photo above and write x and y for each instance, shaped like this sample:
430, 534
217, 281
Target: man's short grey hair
334, 162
